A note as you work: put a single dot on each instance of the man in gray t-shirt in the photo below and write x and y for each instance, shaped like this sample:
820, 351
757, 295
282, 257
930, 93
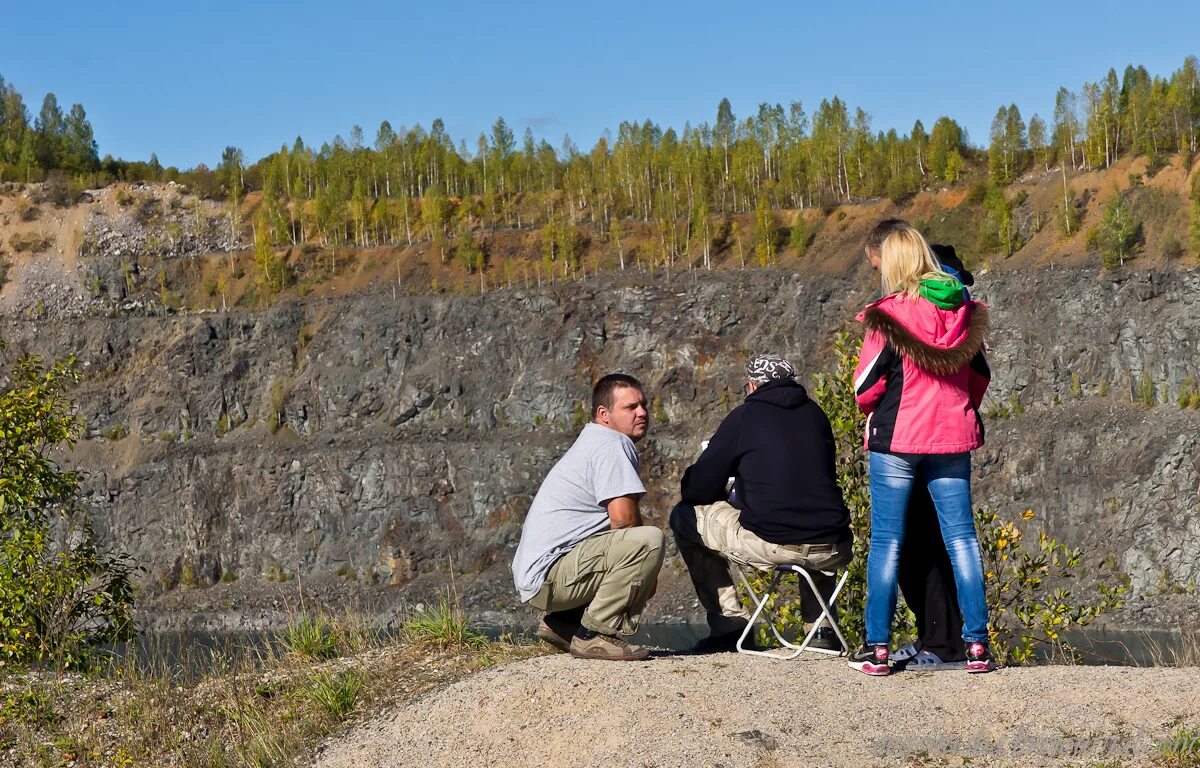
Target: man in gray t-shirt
585, 556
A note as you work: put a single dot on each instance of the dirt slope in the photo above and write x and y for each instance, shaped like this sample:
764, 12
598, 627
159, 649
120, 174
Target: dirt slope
737, 711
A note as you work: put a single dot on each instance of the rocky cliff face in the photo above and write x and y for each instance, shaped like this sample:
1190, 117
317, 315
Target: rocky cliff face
369, 440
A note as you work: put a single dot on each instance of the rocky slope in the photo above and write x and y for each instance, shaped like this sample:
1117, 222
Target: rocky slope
373, 441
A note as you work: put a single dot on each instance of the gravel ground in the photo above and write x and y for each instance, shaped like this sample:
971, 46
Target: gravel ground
732, 711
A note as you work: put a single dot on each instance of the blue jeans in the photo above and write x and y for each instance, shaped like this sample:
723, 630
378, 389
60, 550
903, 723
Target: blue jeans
948, 477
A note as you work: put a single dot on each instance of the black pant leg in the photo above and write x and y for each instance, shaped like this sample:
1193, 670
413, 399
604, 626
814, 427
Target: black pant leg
914, 554
927, 579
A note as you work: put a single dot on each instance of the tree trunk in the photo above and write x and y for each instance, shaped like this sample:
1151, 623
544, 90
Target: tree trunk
1066, 201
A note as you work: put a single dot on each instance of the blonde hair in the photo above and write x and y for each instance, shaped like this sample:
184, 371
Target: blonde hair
905, 260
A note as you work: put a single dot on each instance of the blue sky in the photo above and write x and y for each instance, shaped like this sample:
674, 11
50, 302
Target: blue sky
185, 79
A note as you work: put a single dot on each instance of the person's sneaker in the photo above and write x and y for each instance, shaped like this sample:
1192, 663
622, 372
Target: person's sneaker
557, 629
871, 659
826, 640
978, 658
587, 644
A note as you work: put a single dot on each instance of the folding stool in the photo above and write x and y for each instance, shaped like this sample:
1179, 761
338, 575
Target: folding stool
762, 611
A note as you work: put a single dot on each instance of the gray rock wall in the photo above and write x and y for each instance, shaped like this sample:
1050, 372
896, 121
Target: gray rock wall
378, 438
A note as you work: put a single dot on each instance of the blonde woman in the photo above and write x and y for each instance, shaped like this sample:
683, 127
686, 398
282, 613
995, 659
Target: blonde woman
920, 379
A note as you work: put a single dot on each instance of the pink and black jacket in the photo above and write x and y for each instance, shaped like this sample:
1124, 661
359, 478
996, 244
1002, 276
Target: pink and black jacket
921, 375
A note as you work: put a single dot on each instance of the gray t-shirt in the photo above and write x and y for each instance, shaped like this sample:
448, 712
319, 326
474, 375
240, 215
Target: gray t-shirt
601, 465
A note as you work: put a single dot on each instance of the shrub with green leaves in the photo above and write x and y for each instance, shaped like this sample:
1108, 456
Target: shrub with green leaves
61, 596
1120, 235
999, 231
1194, 228
1180, 750
1025, 612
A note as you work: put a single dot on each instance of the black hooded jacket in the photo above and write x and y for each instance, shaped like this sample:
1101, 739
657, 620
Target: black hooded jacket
779, 449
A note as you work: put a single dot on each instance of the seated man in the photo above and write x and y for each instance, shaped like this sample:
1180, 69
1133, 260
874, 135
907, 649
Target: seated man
778, 447
585, 556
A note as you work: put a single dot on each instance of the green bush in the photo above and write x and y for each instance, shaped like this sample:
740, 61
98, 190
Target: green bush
30, 705
1070, 215
799, 237
335, 693
1189, 393
29, 242
1119, 236
1146, 393
1025, 613
579, 415
61, 596
999, 230
977, 192
658, 413
1180, 750
443, 625
471, 252
1194, 227
311, 637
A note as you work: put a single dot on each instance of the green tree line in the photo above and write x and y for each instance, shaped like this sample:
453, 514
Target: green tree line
410, 183
51, 141
1135, 114
406, 183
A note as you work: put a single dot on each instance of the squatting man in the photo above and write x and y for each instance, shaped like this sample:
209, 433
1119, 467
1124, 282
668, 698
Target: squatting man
585, 557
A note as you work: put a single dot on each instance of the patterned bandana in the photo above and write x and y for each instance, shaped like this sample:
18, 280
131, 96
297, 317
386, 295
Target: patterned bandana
764, 368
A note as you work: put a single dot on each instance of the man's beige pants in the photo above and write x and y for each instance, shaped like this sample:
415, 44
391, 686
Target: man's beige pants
613, 573
711, 538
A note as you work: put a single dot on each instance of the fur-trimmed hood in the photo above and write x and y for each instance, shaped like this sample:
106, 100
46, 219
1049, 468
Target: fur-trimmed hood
940, 341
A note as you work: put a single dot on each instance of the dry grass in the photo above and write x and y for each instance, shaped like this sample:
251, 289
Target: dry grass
29, 242
1184, 654
266, 706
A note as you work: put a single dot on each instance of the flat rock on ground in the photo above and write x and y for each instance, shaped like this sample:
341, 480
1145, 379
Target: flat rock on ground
738, 711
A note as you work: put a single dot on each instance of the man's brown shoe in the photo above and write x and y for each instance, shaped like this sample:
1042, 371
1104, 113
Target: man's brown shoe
557, 628
593, 645
550, 633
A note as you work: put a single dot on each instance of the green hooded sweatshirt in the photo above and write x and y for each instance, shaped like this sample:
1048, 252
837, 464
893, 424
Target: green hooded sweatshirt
945, 294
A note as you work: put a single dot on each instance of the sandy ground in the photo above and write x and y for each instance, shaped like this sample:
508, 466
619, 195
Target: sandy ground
732, 711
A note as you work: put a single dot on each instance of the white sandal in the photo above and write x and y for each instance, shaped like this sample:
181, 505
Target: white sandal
906, 653
925, 661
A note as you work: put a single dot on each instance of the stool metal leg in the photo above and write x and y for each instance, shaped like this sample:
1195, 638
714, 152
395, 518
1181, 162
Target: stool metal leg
826, 613
762, 611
